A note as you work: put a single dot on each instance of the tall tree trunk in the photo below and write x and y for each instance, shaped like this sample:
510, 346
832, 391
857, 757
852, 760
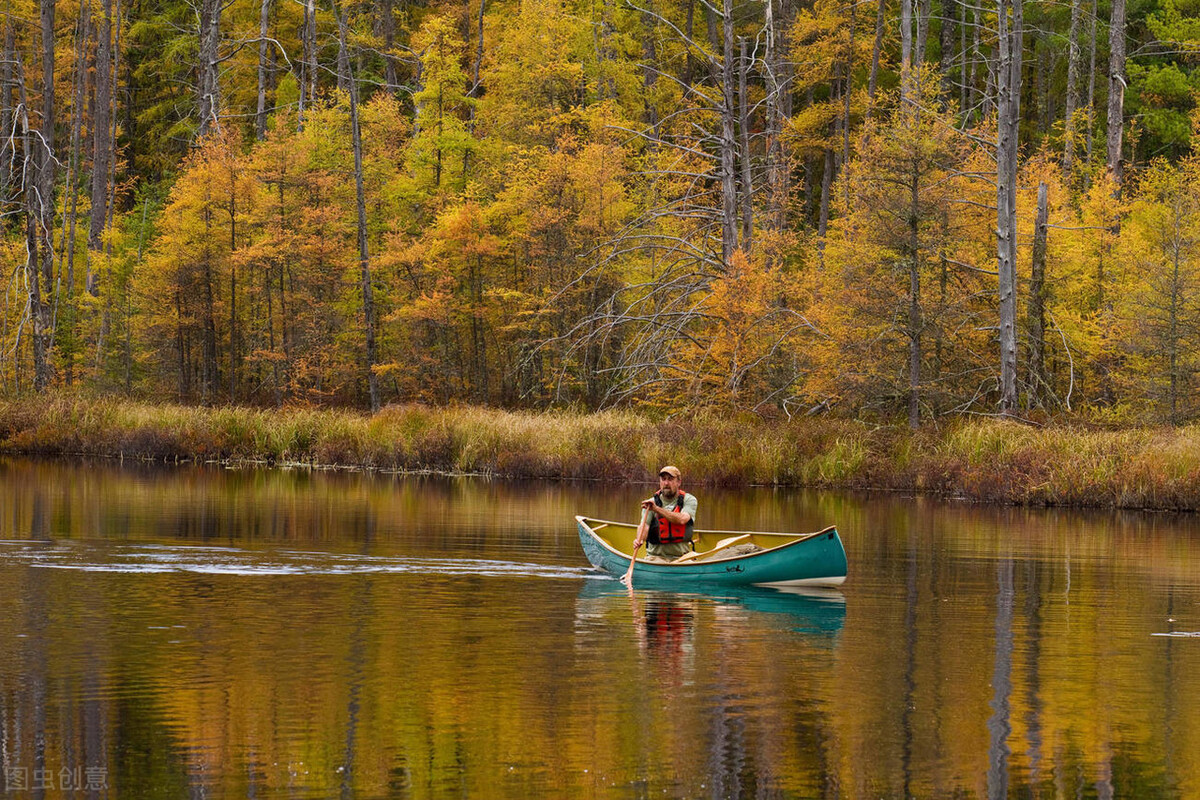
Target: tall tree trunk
308, 67
1116, 88
846, 96
826, 192
209, 101
777, 171
33, 242
101, 146
1037, 301
949, 10
649, 75
44, 208
264, 22
1072, 98
976, 57
906, 53
1091, 96
876, 50
80, 84
1008, 74
923, 13
364, 259
210, 380
964, 87
6, 113
744, 149
386, 29
729, 231
914, 298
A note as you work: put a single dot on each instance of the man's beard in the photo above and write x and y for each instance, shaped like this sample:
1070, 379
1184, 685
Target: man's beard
663, 494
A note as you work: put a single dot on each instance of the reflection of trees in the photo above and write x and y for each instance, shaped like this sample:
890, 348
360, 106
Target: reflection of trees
999, 725
902, 698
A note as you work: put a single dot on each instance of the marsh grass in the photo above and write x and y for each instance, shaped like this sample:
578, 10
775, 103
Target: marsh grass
991, 461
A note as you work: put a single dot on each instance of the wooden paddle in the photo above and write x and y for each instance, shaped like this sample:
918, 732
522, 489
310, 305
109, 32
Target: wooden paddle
721, 545
627, 579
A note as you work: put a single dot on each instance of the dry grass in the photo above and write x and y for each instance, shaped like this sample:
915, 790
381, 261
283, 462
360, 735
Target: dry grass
989, 461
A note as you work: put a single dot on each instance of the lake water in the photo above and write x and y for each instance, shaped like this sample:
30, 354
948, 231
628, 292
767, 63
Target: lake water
204, 632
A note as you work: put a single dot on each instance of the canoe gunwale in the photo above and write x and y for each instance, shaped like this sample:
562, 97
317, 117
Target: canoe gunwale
795, 538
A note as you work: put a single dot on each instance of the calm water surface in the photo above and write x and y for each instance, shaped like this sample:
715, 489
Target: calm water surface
202, 632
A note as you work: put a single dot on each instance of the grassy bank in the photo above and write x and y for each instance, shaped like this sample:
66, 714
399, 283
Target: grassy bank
983, 460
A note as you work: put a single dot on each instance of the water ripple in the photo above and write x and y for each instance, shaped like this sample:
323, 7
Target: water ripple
233, 561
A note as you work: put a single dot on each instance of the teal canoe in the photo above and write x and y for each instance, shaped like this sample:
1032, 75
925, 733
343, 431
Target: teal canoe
786, 559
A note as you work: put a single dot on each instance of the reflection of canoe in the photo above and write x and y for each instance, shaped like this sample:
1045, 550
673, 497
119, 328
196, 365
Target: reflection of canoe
811, 611
787, 559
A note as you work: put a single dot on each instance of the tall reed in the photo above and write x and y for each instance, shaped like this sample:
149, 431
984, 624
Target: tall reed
989, 460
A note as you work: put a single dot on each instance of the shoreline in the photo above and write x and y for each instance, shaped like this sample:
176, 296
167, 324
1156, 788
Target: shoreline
982, 461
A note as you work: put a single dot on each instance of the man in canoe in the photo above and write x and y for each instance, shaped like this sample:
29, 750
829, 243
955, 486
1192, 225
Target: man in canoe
669, 517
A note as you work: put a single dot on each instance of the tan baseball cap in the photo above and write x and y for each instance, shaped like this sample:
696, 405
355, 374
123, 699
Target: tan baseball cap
672, 471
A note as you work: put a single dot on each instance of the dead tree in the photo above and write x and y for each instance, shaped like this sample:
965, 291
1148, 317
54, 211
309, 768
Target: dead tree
1008, 83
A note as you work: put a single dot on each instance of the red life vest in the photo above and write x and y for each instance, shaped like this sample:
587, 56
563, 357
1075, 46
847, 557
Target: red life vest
663, 531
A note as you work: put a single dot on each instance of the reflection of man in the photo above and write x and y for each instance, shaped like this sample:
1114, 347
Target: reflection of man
665, 635
670, 518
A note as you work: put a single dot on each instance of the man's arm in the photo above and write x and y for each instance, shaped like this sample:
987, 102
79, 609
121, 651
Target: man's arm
681, 517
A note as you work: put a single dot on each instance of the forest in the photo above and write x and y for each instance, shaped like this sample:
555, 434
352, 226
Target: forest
897, 210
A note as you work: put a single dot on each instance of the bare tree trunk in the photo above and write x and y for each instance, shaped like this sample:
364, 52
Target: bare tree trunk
1008, 77
80, 80
923, 12
914, 300
649, 75
1091, 97
101, 146
264, 22
29, 190
6, 113
1116, 88
41, 208
949, 10
976, 57
876, 49
209, 101
308, 65
777, 169
846, 95
1037, 301
826, 192
387, 30
744, 150
964, 82
1072, 98
906, 52
729, 231
364, 259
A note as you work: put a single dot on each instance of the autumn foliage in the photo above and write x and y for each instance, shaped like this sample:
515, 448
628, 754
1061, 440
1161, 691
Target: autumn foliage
764, 209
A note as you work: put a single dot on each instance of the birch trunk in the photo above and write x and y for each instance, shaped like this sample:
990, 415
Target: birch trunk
1008, 82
